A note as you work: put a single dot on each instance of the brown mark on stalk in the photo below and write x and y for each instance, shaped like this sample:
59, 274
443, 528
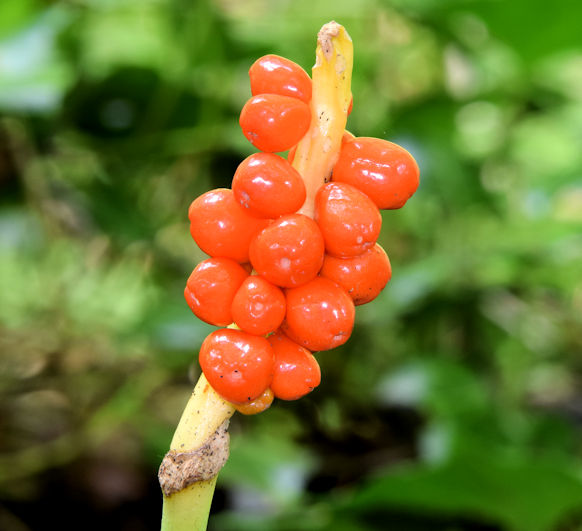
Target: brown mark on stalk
326, 33
181, 469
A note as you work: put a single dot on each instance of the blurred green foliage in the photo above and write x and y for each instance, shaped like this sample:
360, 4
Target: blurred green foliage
457, 402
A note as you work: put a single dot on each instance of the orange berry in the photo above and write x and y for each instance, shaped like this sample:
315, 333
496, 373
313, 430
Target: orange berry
258, 405
384, 171
272, 74
238, 366
363, 276
258, 306
274, 123
349, 221
320, 315
221, 227
296, 371
267, 186
211, 288
288, 252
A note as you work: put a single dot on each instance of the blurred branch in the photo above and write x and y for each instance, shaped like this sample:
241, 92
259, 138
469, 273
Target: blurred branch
124, 406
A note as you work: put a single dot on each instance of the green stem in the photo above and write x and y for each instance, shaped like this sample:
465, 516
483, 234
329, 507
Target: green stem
188, 509
188, 492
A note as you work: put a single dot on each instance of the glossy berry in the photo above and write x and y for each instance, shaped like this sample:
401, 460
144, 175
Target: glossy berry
258, 306
239, 366
272, 74
320, 315
267, 186
363, 276
211, 288
258, 405
384, 171
296, 371
274, 123
289, 252
349, 221
221, 227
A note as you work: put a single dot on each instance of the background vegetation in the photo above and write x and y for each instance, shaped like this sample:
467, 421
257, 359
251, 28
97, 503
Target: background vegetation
457, 403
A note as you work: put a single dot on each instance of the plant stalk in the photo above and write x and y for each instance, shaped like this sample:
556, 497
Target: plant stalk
186, 504
318, 151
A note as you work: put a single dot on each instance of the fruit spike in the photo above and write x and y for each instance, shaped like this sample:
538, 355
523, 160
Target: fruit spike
318, 151
200, 445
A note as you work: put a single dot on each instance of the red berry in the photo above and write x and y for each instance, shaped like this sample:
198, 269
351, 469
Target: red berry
258, 306
211, 288
238, 366
384, 171
349, 221
296, 371
320, 315
273, 74
267, 186
363, 276
221, 227
288, 252
274, 123
258, 405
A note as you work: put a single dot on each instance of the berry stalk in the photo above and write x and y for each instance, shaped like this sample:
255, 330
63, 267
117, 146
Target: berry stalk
318, 150
199, 447
198, 450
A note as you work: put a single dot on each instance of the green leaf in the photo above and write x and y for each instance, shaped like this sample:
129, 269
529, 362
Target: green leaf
15, 13
33, 76
520, 494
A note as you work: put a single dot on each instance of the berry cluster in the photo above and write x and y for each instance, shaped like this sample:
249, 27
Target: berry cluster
287, 281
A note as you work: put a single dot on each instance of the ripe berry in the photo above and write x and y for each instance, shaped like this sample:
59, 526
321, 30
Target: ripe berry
273, 74
238, 366
221, 227
363, 276
384, 171
320, 315
258, 306
288, 252
296, 371
349, 221
211, 288
258, 405
274, 123
267, 186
